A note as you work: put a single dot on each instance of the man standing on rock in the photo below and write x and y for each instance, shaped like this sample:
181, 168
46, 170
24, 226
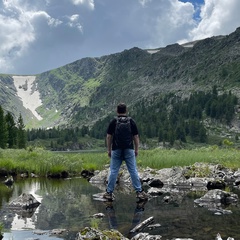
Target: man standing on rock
122, 145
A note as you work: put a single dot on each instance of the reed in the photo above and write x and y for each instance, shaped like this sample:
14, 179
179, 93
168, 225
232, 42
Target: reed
163, 158
42, 162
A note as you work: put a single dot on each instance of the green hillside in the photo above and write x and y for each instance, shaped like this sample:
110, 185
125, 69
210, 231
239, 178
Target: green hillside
87, 91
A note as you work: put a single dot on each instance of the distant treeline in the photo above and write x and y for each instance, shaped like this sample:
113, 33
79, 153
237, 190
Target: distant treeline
171, 118
59, 138
167, 118
12, 134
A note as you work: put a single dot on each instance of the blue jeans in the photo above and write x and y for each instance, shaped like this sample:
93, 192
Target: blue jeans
117, 157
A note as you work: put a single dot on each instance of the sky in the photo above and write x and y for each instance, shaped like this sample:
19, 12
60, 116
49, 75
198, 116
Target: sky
37, 36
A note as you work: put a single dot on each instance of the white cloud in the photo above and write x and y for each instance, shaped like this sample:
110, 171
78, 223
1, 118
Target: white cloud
15, 35
74, 17
88, 3
18, 31
170, 21
74, 23
40, 35
54, 22
217, 18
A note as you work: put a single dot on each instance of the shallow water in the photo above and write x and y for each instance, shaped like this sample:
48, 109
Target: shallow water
69, 204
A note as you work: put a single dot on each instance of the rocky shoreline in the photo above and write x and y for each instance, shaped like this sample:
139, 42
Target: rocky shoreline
210, 179
215, 182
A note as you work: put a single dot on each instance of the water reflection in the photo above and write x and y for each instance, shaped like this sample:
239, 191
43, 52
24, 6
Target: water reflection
64, 204
136, 219
69, 204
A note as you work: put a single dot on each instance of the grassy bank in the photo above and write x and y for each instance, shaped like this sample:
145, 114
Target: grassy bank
164, 158
43, 162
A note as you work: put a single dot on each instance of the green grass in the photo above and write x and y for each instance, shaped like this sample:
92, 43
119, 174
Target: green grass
162, 158
42, 162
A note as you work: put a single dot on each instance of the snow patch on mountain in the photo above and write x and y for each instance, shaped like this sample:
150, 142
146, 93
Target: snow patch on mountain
28, 93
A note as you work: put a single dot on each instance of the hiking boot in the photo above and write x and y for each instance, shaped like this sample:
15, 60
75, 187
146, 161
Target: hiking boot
108, 196
142, 195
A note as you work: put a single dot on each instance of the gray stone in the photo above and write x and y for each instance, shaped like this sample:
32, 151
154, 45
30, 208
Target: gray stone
25, 201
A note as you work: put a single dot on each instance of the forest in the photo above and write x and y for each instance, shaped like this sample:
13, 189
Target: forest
170, 118
12, 134
166, 118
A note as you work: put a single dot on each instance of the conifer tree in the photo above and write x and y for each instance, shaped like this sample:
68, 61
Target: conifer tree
202, 134
3, 130
180, 133
22, 139
12, 130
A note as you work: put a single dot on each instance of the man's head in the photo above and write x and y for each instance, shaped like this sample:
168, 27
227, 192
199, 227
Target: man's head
121, 108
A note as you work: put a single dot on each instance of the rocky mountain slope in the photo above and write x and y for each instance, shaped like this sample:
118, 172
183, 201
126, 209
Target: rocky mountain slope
89, 89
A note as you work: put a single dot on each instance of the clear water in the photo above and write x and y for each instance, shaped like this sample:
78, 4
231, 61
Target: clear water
69, 204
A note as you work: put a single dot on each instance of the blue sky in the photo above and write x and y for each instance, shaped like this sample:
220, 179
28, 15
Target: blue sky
37, 36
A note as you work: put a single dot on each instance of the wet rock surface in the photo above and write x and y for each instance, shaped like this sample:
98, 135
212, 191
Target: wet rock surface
24, 201
176, 182
25, 205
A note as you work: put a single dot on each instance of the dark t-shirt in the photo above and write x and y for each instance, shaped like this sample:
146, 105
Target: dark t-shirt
111, 131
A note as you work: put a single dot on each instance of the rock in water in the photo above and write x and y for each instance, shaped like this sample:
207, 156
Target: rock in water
24, 201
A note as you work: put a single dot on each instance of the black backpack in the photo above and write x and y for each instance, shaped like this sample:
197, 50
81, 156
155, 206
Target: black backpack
123, 133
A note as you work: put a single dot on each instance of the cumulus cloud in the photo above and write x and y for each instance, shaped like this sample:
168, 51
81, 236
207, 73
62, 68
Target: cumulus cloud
217, 18
88, 3
17, 24
15, 36
169, 21
74, 22
37, 36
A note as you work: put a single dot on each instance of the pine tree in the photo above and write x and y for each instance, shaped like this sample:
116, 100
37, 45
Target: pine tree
3, 130
12, 130
194, 128
202, 134
22, 138
180, 133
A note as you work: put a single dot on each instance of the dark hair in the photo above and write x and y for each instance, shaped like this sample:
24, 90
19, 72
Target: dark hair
121, 108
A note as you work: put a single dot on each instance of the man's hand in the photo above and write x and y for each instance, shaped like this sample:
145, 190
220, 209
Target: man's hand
136, 144
109, 143
136, 153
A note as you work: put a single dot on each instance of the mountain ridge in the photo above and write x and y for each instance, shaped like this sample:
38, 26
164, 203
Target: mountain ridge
86, 90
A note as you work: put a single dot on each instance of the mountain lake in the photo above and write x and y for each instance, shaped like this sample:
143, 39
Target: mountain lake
69, 204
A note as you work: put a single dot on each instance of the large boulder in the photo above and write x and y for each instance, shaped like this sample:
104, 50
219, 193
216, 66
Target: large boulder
218, 196
24, 201
25, 205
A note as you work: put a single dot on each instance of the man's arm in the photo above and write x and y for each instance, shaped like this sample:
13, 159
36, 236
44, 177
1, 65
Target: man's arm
136, 144
109, 144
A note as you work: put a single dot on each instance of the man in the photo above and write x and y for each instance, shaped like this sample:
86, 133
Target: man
122, 144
